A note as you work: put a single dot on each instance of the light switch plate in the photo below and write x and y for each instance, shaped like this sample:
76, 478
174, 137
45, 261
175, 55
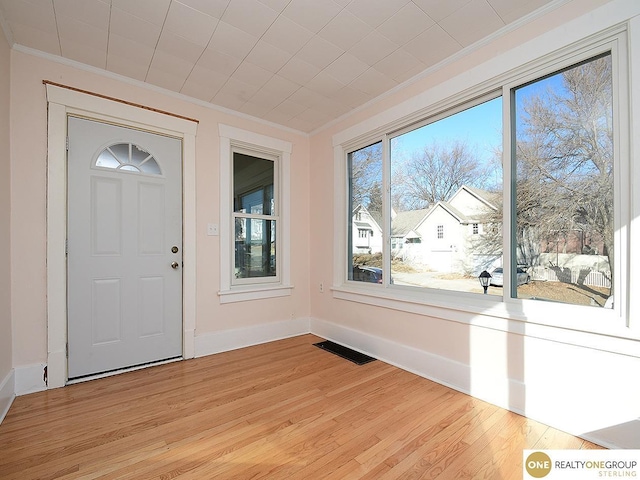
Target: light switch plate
212, 229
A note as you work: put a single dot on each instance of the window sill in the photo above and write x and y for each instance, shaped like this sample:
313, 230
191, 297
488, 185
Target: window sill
254, 292
527, 318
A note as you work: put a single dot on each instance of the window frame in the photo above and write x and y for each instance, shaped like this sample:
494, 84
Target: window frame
275, 217
504, 313
233, 139
621, 169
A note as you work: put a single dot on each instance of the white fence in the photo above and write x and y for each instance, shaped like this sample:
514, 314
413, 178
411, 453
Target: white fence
578, 276
592, 270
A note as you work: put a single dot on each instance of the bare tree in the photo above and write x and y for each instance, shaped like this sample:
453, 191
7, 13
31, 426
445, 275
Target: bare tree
565, 158
365, 171
437, 172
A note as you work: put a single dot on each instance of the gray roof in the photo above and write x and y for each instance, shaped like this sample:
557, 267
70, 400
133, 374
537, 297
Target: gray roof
457, 213
492, 198
404, 222
377, 216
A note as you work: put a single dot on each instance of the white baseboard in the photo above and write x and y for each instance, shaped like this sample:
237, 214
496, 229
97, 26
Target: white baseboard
30, 379
224, 341
493, 388
7, 394
505, 393
188, 347
57, 369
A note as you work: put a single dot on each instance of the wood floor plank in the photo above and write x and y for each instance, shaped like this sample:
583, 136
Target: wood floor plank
281, 410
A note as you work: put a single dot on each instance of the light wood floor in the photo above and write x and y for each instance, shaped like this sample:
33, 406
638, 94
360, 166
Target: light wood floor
281, 410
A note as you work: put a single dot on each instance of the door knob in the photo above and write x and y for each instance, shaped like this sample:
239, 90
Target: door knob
174, 265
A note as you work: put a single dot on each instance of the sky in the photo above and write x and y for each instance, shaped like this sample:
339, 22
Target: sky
480, 127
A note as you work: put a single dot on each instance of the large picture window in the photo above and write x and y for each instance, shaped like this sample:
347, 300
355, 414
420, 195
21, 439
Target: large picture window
524, 182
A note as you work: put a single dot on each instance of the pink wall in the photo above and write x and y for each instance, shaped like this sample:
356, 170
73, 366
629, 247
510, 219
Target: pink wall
28, 227
5, 213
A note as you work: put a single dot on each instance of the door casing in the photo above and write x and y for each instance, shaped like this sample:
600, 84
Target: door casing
61, 103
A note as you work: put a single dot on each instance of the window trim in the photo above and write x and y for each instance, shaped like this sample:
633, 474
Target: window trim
255, 144
500, 312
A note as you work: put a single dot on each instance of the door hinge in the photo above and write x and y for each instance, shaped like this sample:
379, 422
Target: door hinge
66, 347
66, 247
67, 144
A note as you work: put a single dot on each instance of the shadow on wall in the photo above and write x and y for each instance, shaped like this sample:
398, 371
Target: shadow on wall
623, 435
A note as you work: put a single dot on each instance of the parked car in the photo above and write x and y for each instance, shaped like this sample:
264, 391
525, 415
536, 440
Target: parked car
367, 274
497, 277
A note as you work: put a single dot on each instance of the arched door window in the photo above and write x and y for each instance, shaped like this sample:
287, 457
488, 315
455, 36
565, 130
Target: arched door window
128, 157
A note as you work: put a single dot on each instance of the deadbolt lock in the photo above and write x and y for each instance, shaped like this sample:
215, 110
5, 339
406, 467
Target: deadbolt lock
174, 249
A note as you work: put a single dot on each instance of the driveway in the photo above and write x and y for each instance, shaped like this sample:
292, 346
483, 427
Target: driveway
436, 280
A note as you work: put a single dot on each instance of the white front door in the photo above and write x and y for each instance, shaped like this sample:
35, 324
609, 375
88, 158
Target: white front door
124, 260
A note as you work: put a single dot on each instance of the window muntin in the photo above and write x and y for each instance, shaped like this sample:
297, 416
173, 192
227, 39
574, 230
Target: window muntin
445, 175
563, 226
255, 218
128, 157
364, 237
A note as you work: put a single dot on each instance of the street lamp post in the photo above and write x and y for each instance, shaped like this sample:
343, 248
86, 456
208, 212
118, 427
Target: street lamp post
484, 278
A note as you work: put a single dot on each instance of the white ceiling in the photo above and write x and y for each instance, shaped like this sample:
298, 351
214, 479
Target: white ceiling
298, 63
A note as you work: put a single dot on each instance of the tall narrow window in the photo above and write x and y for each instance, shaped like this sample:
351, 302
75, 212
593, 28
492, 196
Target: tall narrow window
365, 214
255, 216
563, 168
255, 226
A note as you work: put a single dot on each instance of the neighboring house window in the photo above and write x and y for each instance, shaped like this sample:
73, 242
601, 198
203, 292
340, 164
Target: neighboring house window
365, 188
254, 216
555, 221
